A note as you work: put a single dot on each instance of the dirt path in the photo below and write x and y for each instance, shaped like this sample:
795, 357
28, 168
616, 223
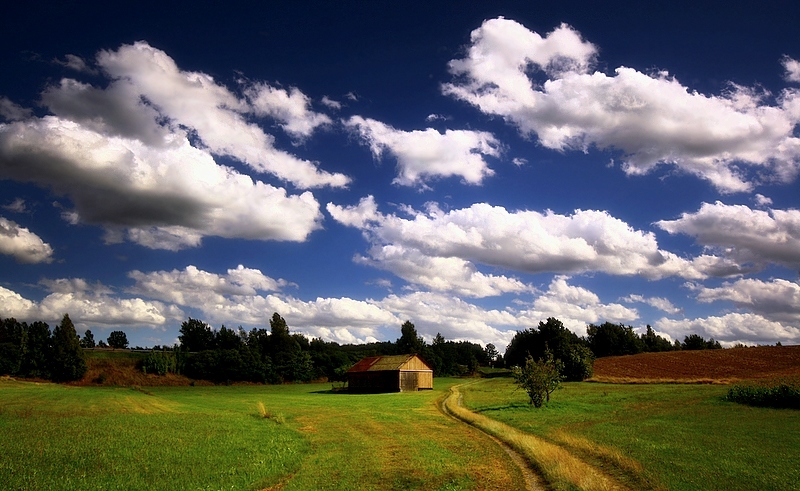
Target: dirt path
533, 482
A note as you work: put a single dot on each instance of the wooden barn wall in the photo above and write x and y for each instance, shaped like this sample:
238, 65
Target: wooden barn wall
411, 381
414, 363
380, 381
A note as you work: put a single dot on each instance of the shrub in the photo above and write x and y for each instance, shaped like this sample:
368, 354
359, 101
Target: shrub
160, 363
780, 393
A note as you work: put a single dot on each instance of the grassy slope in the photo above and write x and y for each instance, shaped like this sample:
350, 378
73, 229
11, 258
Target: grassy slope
686, 437
59, 437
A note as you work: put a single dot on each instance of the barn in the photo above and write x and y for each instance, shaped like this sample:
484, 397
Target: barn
398, 373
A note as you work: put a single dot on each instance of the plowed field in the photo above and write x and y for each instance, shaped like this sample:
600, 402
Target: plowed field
711, 366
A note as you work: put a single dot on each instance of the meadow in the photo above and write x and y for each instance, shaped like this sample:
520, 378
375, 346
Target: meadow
674, 436
289, 437
656, 436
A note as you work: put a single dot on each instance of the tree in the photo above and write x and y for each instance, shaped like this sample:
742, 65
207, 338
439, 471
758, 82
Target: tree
88, 340
410, 342
653, 342
696, 342
491, 353
68, 361
196, 335
117, 340
39, 351
609, 339
13, 346
539, 378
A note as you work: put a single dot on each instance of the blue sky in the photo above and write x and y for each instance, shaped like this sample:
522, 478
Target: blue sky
351, 165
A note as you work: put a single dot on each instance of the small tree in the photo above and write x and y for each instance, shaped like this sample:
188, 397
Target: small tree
118, 340
491, 353
539, 378
88, 340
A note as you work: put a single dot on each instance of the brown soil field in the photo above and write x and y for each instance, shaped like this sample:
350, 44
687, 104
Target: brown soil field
707, 366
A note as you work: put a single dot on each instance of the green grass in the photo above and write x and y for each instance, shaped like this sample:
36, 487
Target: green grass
299, 437
686, 437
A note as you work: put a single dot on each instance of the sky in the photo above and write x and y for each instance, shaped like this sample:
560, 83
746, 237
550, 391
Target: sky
473, 167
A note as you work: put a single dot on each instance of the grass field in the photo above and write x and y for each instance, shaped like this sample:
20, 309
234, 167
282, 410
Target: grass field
672, 436
214, 438
683, 437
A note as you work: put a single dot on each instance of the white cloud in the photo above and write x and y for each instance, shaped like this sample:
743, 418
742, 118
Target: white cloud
88, 306
166, 196
762, 200
291, 108
331, 103
22, 244
660, 303
11, 111
732, 328
193, 287
15, 305
742, 234
777, 300
195, 101
651, 119
440, 250
74, 62
16, 206
454, 318
423, 155
241, 296
792, 68
575, 307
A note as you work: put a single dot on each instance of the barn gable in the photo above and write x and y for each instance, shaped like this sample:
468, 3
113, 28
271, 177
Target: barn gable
390, 374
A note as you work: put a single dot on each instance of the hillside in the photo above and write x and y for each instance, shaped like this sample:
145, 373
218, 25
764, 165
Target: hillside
121, 368
712, 366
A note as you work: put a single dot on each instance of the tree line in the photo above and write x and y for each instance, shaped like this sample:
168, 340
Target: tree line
31, 350
277, 355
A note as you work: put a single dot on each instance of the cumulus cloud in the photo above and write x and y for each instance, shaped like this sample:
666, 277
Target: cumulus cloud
742, 234
89, 306
290, 107
575, 307
11, 111
247, 296
215, 114
544, 86
777, 300
792, 68
729, 329
194, 287
137, 156
423, 155
440, 250
331, 103
660, 303
165, 197
22, 244
16, 206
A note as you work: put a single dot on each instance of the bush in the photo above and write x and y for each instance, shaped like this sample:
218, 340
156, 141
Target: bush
160, 363
781, 393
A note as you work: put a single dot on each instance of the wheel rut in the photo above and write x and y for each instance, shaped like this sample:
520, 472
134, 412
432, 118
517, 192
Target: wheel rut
533, 481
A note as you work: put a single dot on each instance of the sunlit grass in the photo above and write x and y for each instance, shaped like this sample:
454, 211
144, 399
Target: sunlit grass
684, 437
561, 469
290, 437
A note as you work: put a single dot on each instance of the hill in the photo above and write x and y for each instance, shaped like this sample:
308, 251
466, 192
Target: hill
708, 366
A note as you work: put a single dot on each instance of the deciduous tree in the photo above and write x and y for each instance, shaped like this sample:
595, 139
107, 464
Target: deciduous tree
117, 340
539, 378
